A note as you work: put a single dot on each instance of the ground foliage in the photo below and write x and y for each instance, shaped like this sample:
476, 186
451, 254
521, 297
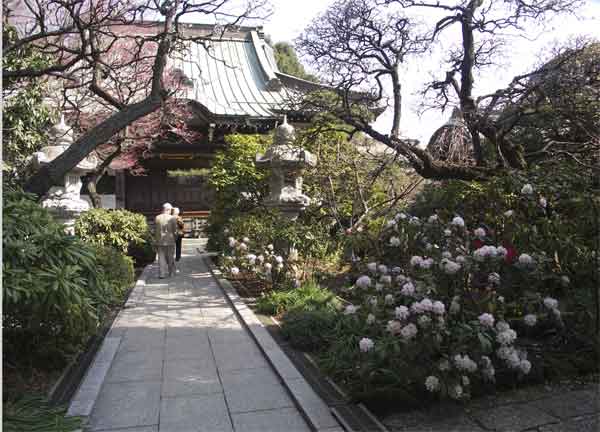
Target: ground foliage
34, 414
56, 287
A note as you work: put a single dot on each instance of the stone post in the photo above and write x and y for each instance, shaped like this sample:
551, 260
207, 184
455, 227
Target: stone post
287, 162
64, 201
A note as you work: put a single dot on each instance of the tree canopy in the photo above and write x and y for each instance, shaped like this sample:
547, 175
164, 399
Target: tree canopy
360, 48
288, 63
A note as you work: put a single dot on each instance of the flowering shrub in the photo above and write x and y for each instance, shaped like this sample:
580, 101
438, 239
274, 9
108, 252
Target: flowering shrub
442, 311
239, 261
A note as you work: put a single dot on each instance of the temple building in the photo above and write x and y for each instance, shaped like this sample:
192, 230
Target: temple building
232, 85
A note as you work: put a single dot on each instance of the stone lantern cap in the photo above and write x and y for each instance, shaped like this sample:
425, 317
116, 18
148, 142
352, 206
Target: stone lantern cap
61, 138
284, 153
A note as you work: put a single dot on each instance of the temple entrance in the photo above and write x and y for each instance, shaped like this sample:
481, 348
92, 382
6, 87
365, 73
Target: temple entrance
186, 189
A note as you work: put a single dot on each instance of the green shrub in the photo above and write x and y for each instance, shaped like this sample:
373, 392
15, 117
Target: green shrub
124, 230
308, 297
239, 186
309, 330
116, 269
53, 296
143, 253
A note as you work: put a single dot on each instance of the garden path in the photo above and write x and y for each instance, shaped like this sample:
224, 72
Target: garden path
185, 363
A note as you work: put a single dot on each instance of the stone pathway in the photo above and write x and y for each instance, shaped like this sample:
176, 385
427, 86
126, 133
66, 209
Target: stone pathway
558, 407
186, 364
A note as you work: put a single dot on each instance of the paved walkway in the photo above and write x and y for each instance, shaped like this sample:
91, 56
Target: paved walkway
570, 406
186, 364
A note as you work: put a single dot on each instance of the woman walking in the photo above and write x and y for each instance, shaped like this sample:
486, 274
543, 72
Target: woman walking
180, 233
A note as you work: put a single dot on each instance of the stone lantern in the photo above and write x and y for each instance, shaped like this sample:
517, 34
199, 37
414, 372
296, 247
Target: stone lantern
287, 161
64, 201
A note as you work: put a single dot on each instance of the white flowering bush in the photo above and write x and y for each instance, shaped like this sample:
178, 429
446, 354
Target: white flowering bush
243, 261
443, 311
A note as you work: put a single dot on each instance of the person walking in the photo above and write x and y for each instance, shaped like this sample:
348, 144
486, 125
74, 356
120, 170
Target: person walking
180, 233
165, 232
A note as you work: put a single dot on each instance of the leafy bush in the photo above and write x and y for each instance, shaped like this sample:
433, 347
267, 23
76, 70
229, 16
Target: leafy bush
239, 186
143, 253
440, 309
308, 297
308, 329
115, 268
124, 230
53, 295
268, 226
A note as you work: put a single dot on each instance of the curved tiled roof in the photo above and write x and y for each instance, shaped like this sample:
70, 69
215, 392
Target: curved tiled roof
234, 77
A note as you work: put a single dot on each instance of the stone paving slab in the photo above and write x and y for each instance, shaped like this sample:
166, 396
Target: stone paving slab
190, 377
184, 362
123, 405
578, 424
578, 403
207, 413
513, 418
242, 395
280, 420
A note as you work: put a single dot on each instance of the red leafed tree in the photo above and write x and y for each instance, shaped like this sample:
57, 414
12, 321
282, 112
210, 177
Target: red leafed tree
110, 63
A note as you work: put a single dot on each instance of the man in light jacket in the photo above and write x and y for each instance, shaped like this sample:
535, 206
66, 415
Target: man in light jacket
166, 230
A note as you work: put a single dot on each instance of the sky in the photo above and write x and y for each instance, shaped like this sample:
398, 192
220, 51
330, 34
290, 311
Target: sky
290, 17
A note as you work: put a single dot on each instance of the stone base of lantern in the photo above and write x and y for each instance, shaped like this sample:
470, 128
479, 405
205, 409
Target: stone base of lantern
66, 211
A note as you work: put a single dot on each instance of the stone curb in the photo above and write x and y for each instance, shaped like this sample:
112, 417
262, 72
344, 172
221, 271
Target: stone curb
315, 411
83, 402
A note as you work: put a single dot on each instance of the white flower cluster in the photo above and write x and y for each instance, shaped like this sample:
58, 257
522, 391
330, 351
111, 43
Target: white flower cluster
527, 189
409, 332
366, 345
449, 267
486, 320
395, 241
494, 279
552, 305
514, 359
464, 363
424, 263
525, 260
350, 310
530, 320
488, 252
402, 313
363, 282
408, 289
458, 221
432, 383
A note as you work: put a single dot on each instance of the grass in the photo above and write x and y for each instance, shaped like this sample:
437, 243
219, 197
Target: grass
309, 297
33, 413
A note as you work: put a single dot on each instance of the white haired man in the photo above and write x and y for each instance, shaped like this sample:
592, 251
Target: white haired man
166, 230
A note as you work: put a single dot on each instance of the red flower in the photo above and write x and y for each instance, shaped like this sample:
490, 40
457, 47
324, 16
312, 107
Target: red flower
511, 252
